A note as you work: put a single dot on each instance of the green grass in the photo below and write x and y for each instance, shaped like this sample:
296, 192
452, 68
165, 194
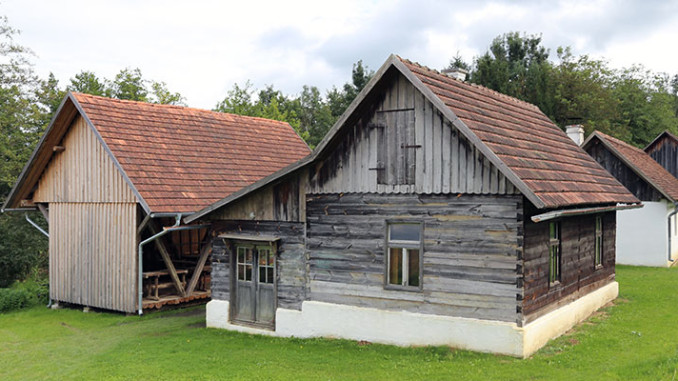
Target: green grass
637, 338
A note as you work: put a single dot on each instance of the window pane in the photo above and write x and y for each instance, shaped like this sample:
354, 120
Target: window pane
269, 275
248, 272
413, 262
241, 272
248, 256
271, 258
395, 266
263, 257
241, 255
404, 232
262, 275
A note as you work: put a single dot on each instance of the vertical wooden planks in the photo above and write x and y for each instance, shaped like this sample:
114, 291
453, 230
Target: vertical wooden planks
419, 127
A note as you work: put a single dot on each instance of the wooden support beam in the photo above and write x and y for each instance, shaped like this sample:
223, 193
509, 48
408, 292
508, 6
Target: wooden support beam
143, 223
167, 259
204, 253
45, 212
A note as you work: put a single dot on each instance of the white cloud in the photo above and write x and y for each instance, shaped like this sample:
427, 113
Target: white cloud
201, 48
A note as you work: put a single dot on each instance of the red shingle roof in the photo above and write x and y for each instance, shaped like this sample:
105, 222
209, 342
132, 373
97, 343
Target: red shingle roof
542, 156
182, 159
643, 165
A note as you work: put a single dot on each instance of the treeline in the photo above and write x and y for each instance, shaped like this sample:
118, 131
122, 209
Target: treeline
633, 104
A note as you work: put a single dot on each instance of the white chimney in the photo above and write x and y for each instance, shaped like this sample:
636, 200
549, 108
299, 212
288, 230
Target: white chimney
576, 133
456, 73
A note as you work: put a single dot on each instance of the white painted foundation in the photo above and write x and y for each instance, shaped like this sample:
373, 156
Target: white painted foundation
643, 235
318, 319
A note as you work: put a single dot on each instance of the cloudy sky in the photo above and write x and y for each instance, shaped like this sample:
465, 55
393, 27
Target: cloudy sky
200, 48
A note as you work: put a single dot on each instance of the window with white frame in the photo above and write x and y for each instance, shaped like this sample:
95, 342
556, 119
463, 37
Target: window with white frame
403, 255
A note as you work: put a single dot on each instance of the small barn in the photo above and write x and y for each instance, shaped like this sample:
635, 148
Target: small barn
647, 236
664, 150
110, 176
435, 212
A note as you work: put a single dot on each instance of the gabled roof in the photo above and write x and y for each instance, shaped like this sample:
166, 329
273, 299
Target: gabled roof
663, 135
176, 159
529, 149
640, 163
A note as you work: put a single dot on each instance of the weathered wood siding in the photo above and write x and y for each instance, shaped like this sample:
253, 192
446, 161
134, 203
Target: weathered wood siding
92, 212
92, 258
578, 273
83, 172
625, 175
471, 252
665, 152
282, 201
404, 145
291, 259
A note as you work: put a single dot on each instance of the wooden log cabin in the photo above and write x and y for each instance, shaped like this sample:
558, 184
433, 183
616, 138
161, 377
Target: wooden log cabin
435, 212
111, 175
647, 236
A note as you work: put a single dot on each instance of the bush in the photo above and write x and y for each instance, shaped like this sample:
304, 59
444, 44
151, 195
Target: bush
30, 292
14, 299
22, 247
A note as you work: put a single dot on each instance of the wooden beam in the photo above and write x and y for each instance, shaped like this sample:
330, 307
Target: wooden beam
167, 259
204, 253
58, 148
45, 212
143, 223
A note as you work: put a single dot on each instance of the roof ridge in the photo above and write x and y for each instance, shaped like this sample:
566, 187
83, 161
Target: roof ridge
170, 106
473, 85
619, 141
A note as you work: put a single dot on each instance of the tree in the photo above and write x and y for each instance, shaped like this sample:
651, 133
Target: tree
160, 94
339, 100
88, 83
22, 120
128, 84
517, 66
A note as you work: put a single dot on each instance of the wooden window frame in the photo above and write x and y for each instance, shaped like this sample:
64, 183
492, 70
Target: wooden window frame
598, 244
405, 245
555, 253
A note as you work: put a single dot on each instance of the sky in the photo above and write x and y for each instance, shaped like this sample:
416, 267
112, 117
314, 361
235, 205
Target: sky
201, 48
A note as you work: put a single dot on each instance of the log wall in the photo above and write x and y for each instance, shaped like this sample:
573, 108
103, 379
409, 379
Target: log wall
291, 259
471, 252
404, 145
578, 273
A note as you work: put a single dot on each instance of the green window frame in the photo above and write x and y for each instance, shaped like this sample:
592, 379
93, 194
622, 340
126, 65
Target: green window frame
598, 246
555, 253
404, 251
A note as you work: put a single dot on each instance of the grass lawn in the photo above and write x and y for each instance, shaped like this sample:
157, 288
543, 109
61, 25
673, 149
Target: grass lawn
634, 339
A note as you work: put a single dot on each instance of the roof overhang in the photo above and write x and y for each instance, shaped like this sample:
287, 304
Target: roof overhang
555, 214
249, 237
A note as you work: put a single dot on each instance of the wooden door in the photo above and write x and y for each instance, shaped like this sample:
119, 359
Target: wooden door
255, 293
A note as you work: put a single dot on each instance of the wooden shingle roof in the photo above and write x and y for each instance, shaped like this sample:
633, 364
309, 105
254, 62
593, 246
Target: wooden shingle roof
641, 163
549, 164
176, 159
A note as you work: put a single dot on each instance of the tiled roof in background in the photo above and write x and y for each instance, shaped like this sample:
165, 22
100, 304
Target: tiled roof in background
643, 165
540, 154
182, 159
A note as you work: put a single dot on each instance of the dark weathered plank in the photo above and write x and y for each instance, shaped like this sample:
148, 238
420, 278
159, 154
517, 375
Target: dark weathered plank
470, 252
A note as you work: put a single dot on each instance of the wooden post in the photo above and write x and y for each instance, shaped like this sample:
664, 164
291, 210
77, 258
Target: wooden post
204, 253
167, 259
